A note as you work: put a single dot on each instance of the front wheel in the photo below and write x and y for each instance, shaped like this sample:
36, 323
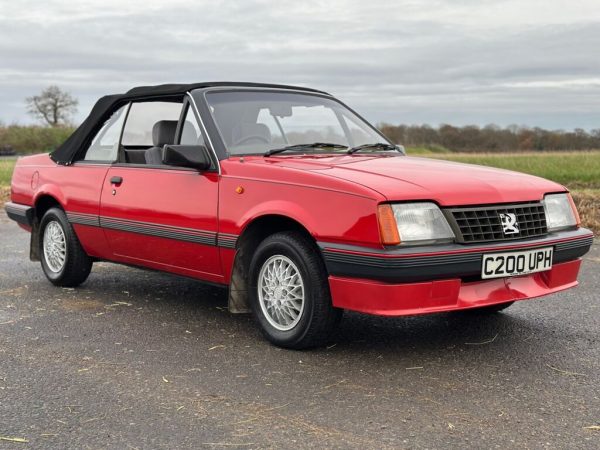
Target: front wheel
290, 295
64, 261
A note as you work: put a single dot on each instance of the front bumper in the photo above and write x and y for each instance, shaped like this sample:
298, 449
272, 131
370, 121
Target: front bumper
426, 263
413, 280
386, 299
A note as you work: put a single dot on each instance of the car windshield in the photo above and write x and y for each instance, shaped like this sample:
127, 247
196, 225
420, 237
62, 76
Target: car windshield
257, 122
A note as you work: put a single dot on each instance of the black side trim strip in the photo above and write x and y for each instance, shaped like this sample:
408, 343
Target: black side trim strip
401, 263
196, 236
227, 240
586, 242
179, 234
84, 219
22, 214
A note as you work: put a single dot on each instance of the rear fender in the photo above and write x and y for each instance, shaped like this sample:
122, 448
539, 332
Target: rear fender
50, 190
46, 190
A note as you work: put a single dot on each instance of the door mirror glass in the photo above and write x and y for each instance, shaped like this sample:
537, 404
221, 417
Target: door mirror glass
192, 156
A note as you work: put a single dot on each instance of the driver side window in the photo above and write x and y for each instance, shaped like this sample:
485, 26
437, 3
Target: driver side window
190, 133
105, 145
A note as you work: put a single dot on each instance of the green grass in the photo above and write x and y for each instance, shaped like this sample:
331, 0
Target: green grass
6, 169
579, 171
426, 151
576, 170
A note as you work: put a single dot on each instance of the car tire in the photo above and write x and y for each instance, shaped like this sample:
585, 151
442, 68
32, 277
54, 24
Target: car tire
64, 261
491, 309
289, 293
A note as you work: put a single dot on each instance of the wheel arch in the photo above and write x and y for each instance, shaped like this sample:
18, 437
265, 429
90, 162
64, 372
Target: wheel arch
253, 233
42, 203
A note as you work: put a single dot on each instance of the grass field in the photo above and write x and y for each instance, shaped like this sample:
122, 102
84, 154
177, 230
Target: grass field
576, 170
6, 168
579, 171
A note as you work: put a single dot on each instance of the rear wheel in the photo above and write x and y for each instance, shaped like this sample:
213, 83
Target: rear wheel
290, 295
64, 261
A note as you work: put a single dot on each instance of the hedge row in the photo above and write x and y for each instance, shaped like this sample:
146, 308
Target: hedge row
33, 138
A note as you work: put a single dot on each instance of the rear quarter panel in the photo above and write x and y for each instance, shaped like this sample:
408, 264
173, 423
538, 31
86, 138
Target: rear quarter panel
76, 188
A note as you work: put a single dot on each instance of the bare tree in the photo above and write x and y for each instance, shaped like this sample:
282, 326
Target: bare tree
53, 106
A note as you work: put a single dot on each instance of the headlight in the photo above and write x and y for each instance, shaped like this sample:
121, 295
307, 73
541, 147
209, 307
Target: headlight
560, 212
413, 223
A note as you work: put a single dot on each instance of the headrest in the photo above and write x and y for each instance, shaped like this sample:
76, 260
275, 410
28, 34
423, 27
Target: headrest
251, 129
163, 132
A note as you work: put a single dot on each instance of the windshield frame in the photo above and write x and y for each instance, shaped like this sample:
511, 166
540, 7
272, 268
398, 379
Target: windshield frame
200, 97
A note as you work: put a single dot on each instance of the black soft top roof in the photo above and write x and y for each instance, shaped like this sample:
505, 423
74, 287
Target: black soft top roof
104, 107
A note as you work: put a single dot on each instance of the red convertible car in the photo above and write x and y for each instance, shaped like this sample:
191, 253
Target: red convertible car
294, 202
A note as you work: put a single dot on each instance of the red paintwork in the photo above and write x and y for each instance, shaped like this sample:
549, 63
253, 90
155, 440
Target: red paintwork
75, 187
181, 198
335, 198
396, 178
386, 299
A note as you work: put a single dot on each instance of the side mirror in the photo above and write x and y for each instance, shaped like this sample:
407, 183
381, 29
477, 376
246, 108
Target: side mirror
192, 156
401, 149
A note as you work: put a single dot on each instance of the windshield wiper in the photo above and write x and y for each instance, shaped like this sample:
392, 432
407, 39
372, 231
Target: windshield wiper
292, 148
377, 146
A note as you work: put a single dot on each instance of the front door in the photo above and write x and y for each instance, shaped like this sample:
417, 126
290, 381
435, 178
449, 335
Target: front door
160, 216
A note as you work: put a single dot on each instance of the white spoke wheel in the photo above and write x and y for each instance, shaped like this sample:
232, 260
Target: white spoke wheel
64, 261
55, 246
281, 292
289, 292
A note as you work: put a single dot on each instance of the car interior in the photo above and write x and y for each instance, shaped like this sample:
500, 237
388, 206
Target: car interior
152, 125
149, 126
163, 133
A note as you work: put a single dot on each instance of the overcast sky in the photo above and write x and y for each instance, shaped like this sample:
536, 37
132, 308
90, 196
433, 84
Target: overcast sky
531, 62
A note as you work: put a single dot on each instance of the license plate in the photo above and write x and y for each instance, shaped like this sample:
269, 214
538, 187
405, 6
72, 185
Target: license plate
499, 265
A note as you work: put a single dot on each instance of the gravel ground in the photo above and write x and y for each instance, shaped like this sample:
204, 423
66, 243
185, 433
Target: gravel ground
137, 359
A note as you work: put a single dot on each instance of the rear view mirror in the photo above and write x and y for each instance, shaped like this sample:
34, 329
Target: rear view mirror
192, 156
280, 110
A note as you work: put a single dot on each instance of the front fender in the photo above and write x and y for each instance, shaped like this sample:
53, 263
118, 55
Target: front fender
283, 208
330, 216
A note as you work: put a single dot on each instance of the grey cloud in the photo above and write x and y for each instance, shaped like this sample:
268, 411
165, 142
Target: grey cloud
445, 61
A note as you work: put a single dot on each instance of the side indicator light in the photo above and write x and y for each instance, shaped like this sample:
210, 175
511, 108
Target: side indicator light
574, 208
388, 229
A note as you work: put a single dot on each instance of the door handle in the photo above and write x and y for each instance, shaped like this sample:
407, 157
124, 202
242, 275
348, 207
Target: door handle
116, 180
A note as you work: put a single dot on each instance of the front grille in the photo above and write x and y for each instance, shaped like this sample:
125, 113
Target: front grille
483, 224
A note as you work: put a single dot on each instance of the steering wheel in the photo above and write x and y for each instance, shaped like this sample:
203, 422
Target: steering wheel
253, 136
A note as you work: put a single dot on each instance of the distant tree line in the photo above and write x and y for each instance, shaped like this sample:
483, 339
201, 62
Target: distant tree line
491, 138
55, 107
